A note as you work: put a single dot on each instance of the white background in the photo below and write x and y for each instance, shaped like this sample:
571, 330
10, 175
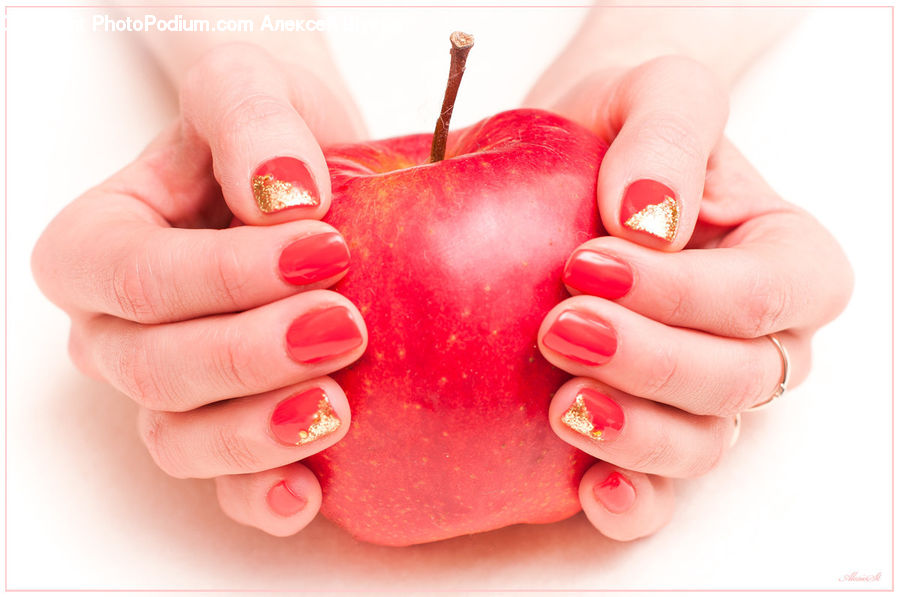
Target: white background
803, 500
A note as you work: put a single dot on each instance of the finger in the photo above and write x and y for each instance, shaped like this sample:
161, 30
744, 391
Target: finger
279, 501
101, 260
181, 366
237, 102
638, 434
758, 286
626, 505
672, 112
247, 435
697, 372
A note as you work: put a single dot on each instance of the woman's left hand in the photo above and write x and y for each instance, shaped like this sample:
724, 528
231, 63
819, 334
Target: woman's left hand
670, 347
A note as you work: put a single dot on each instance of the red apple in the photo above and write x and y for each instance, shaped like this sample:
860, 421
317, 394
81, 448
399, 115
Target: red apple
455, 264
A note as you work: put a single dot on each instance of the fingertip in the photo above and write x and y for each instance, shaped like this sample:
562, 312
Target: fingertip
625, 505
291, 185
316, 258
596, 268
295, 497
635, 204
314, 415
280, 502
266, 159
584, 414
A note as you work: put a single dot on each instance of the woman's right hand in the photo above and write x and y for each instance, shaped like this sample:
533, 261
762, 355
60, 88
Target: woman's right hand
222, 335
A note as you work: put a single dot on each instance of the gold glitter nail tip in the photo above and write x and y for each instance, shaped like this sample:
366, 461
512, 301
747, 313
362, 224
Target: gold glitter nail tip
594, 415
304, 418
649, 206
283, 182
324, 421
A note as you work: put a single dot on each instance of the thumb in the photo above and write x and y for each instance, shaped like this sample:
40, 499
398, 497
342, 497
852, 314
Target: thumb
238, 108
672, 113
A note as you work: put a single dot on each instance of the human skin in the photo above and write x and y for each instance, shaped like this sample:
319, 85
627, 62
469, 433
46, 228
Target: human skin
692, 312
207, 327
240, 107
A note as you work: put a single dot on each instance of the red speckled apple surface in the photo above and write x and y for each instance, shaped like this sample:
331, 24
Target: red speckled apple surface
454, 265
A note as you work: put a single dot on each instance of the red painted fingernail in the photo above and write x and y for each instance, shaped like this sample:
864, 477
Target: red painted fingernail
322, 334
283, 501
283, 182
304, 418
651, 207
598, 274
314, 258
616, 493
595, 415
581, 337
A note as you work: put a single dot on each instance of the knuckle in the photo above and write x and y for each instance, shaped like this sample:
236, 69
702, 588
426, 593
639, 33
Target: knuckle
760, 308
234, 452
749, 385
135, 290
675, 137
674, 304
229, 278
662, 370
235, 366
654, 455
212, 72
256, 108
139, 378
154, 428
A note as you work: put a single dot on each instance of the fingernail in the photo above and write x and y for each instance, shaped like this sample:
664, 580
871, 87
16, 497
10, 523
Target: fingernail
283, 182
616, 493
581, 337
651, 207
595, 415
314, 258
322, 334
598, 274
304, 418
737, 430
283, 501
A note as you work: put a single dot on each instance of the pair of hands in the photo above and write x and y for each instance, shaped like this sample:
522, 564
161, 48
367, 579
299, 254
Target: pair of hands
189, 317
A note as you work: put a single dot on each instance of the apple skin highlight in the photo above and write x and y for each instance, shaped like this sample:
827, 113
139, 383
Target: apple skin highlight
454, 265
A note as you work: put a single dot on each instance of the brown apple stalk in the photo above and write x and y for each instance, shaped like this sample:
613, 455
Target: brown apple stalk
459, 50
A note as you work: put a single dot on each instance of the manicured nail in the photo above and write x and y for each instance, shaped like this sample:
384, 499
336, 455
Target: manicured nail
283, 501
304, 418
581, 337
616, 493
595, 415
314, 258
283, 182
651, 207
322, 334
598, 274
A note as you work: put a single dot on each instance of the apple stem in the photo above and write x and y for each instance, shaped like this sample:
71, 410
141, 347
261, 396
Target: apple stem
461, 43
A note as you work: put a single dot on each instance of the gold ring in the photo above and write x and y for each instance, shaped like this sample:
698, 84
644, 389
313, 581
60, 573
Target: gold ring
785, 375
